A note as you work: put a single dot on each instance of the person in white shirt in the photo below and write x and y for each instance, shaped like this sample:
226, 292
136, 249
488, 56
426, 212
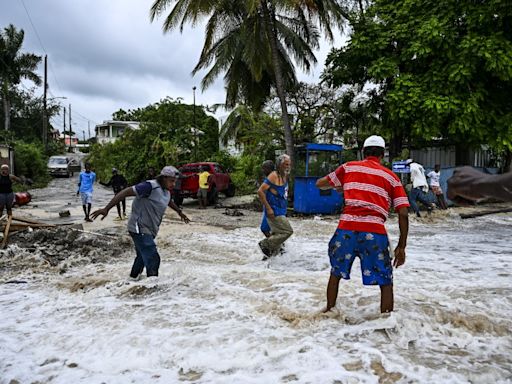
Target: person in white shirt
434, 177
419, 187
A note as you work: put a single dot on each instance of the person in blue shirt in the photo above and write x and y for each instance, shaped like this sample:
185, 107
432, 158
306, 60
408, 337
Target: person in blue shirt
85, 187
273, 193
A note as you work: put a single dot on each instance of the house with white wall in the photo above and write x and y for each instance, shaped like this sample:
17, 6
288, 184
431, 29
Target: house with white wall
109, 131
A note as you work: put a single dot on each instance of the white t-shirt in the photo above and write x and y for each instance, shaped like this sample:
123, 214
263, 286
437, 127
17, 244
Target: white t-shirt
434, 178
418, 176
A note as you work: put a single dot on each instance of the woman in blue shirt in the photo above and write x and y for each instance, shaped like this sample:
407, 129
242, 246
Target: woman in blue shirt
273, 194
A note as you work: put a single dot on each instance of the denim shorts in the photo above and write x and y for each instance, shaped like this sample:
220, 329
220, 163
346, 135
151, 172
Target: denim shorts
372, 250
7, 199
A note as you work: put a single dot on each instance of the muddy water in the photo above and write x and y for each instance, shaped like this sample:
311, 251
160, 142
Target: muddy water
218, 314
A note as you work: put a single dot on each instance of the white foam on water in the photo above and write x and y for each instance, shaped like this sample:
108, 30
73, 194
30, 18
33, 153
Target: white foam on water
218, 314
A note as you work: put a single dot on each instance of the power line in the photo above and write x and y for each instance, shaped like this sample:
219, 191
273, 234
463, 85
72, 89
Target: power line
83, 117
42, 46
33, 26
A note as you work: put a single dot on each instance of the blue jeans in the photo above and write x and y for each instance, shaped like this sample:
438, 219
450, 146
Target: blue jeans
418, 194
147, 255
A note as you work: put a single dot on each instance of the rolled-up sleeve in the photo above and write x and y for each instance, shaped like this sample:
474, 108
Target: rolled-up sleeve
143, 189
336, 178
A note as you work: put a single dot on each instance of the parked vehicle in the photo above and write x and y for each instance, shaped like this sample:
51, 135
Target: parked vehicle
219, 181
60, 166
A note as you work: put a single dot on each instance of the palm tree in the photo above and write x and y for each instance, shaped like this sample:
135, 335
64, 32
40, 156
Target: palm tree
14, 66
254, 41
324, 12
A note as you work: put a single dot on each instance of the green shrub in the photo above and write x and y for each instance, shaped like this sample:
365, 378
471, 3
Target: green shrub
247, 174
30, 161
55, 148
226, 161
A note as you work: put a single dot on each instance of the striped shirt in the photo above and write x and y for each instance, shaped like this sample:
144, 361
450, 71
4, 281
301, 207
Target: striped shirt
369, 190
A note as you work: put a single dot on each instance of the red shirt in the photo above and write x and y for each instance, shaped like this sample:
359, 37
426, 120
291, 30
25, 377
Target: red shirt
369, 189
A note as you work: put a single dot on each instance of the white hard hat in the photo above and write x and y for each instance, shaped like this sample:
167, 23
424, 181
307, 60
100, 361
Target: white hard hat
374, 141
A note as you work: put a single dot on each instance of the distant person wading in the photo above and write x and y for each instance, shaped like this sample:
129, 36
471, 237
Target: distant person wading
6, 192
86, 181
118, 183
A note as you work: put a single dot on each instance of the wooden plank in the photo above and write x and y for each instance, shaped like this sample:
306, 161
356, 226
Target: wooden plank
24, 220
483, 213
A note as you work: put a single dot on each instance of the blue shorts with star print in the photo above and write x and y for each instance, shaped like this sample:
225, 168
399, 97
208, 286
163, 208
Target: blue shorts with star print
372, 250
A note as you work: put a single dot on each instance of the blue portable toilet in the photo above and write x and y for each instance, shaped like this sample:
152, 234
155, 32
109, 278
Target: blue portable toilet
314, 161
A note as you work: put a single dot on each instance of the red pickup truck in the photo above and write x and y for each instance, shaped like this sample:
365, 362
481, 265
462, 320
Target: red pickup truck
219, 181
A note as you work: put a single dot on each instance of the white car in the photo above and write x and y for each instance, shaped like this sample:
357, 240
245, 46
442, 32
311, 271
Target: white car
60, 166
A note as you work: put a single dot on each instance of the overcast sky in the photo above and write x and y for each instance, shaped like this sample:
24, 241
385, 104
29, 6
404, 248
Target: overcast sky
105, 55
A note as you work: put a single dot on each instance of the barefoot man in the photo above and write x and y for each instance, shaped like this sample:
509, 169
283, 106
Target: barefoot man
368, 189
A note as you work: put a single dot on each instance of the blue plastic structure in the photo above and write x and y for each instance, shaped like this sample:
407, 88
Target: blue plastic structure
307, 198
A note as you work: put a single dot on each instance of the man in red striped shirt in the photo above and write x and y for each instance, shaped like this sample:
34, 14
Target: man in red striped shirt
369, 191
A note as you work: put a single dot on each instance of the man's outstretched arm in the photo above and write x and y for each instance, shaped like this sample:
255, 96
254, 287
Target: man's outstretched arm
116, 199
178, 210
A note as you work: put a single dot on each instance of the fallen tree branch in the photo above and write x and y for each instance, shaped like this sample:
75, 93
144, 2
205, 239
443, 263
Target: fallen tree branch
484, 213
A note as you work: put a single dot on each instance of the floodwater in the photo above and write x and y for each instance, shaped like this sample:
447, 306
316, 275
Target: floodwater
218, 314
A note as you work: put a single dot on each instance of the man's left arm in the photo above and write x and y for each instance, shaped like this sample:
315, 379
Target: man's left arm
179, 212
323, 183
332, 180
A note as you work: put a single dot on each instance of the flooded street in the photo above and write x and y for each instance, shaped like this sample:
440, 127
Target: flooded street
218, 314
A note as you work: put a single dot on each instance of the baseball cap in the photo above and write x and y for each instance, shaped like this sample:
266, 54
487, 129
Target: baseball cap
169, 171
409, 161
114, 169
374, 141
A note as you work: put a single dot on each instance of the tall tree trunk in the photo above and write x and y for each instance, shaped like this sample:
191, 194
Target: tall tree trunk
395, 146
281, 92
7, 107
507, 165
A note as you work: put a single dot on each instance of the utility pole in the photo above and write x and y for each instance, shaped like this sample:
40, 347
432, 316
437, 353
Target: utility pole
45, 117
194, 120
84, 134
89, 128
69, 150
64, 126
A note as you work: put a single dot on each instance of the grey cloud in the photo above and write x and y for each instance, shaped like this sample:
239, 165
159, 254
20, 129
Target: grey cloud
105, 54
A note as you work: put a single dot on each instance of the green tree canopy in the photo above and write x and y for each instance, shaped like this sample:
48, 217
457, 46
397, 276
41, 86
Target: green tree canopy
14, 66
171, 133
442, 69
255, 43
257, 132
